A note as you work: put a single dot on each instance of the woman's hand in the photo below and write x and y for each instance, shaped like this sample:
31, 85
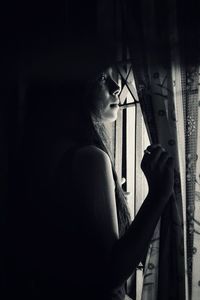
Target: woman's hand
158, 167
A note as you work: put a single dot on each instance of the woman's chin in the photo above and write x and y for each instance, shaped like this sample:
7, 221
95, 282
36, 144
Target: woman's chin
110, 118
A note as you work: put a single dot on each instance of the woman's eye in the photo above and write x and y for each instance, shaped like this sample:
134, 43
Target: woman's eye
102, 78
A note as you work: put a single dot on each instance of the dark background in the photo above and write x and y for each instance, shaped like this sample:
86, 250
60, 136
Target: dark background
33, 38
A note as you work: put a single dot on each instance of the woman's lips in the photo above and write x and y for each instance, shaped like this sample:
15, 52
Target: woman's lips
114, 105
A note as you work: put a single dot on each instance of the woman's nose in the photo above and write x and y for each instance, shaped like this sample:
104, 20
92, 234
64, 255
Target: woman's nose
114, 88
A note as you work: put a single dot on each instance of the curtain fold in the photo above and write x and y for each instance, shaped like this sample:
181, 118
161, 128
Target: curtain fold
167, 81
196, 217
191, 116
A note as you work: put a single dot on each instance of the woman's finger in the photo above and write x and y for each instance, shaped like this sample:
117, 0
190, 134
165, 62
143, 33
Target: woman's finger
152, 155
147, 158
155, 155
153, 146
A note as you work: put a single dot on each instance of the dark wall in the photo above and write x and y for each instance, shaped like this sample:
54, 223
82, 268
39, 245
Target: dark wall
34, 37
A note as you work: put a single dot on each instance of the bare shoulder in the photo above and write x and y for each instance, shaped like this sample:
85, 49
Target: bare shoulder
92, 164
92, 156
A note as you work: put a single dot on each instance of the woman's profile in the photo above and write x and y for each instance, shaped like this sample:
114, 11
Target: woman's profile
82, 243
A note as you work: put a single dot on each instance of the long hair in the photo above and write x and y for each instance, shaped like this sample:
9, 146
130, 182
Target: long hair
123, 214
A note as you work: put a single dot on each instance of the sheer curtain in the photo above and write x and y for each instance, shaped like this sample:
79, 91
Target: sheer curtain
166, 71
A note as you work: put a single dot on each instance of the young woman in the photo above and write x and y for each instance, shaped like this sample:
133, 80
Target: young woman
82, 244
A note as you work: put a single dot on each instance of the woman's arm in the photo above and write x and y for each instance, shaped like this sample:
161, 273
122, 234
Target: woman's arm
158, 168
93, 174
129, 250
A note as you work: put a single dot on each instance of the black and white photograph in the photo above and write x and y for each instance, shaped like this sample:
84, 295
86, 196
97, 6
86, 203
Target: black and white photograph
100, 150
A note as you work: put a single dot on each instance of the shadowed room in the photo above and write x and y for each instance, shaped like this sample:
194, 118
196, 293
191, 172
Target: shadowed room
100, 146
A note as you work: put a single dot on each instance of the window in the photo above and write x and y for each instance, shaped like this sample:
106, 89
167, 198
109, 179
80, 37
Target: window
129, 139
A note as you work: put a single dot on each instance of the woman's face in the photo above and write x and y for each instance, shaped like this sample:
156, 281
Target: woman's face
105, 95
